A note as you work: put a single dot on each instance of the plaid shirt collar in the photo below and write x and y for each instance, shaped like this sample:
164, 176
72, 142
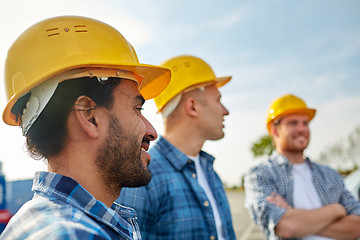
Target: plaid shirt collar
281, 160
177, 158
68, 190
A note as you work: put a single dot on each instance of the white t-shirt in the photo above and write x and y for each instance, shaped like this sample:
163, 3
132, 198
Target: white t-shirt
305, 194
205, 185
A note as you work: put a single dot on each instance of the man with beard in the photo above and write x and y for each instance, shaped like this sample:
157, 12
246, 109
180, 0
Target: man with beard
291, 197
185, 198
76, 88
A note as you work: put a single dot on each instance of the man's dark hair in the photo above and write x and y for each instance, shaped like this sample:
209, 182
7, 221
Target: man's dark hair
46, 137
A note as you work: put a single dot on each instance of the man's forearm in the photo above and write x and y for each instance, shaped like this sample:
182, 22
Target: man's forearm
300, 222
347, 227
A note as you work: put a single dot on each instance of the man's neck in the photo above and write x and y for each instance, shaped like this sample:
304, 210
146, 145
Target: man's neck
83, 172
189, 145
293, 157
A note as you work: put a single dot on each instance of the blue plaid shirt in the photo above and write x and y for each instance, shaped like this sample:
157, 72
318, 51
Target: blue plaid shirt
63, 209
173, 205
275, 175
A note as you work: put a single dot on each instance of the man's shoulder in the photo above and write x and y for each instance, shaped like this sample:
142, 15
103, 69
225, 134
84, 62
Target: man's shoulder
267, 164
159, 162
162, 173
165, 159
47, 208
156, 153
266, 170
48, 218
324, 170
320, 166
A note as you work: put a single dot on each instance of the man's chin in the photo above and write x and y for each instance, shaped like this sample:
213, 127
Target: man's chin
145, 180
298, 149
145, 158
217, 136
149, 179
302, 147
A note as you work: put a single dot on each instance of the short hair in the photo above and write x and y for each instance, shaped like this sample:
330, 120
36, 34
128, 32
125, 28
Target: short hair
46, 137
197, 93
172, 105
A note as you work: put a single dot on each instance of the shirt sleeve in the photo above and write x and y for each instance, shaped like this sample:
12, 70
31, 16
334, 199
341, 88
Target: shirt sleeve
333, 190
259, 183
48, 225
351, 205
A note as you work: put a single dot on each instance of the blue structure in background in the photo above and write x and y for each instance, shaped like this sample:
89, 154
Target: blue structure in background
2, 192
4, 212
12, 196
18, 193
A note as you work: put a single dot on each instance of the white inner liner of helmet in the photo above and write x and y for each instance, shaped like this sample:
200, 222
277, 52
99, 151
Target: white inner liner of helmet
42, 93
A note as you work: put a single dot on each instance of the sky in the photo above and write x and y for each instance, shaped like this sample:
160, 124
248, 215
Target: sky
310, 48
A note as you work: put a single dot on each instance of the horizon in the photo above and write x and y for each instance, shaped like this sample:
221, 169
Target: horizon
308, 48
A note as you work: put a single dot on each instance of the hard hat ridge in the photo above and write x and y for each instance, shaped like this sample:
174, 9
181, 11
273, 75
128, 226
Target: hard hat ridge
287, 104
187, 71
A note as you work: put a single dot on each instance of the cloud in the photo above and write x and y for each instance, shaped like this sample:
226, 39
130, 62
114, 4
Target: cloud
226, 21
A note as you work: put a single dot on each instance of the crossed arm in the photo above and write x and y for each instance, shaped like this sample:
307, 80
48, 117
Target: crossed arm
328, 221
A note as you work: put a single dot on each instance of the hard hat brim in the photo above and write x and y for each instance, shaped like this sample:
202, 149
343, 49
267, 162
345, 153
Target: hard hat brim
221, 81
310, 112
156, 78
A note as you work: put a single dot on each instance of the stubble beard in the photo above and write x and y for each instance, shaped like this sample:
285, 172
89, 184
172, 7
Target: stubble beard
119, 160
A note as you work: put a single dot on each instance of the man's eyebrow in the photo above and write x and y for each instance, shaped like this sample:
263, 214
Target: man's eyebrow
140, 98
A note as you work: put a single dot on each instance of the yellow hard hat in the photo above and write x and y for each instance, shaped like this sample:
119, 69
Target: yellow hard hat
285, 105
186, 71
57, 45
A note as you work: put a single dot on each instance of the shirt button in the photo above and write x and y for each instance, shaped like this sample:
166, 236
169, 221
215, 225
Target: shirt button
194, 175
206, 203
212, 237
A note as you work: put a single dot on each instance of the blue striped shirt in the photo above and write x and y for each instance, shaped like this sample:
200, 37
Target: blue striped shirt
275, 176
173, 205
63, 209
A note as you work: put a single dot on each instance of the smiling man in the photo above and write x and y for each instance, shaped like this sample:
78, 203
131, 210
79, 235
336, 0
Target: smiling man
76, 88
291, 197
